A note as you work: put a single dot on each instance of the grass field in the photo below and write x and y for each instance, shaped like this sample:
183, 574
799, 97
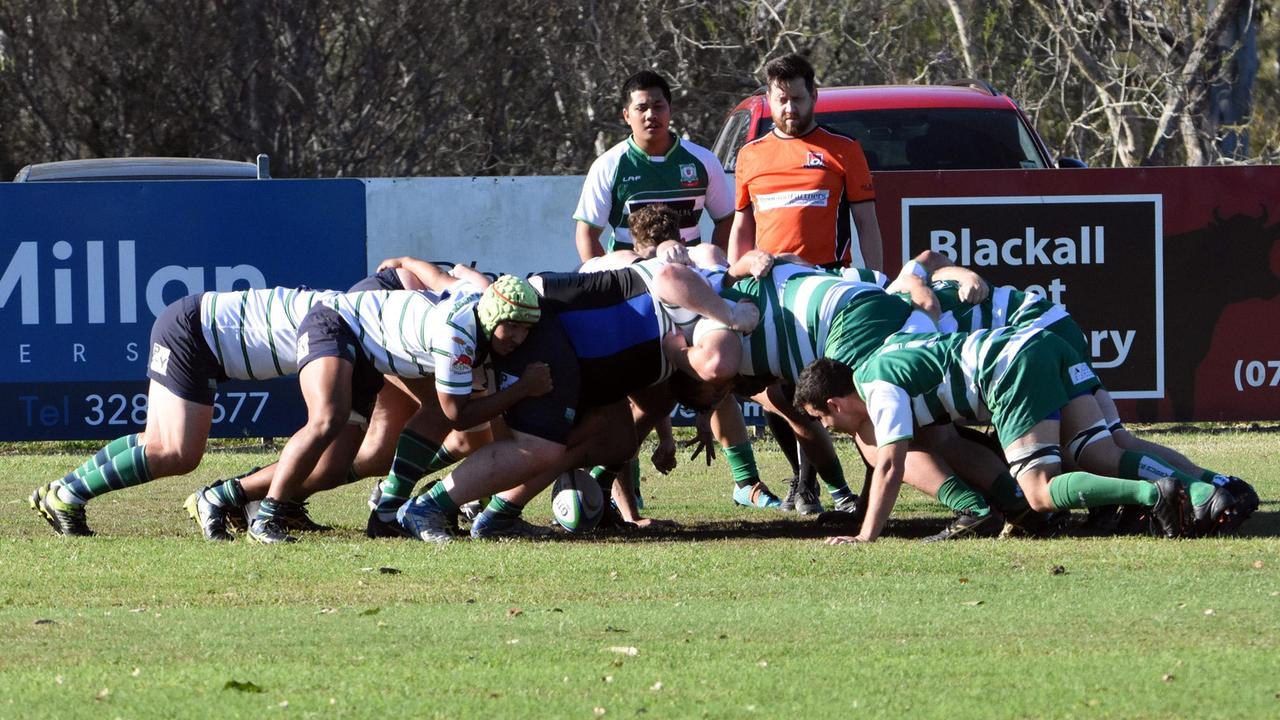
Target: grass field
738, 614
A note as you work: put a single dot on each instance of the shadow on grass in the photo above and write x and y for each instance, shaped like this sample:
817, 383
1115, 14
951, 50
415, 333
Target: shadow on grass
1261, 524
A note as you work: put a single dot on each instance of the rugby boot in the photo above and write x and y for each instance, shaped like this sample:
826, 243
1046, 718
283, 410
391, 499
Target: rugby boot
295, 518
65, 518
423, 520
211, 518
968, 524
808, 498
499, 526
270, 531
1212, 515
1247, 503
756, 495
1168, 515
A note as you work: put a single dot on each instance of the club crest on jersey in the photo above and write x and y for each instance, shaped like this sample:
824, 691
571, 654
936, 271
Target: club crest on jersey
459, 340
160, 359
688, 174
462, 363
1080, 373
814, 160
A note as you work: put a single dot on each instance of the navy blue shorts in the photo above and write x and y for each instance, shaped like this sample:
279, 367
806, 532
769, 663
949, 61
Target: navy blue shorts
549, 416
323, 333
180, 359
387, 279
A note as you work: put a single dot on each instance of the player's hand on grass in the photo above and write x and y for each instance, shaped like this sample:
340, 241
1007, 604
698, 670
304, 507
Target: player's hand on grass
536, 379
703, 442
654, 524
847, 539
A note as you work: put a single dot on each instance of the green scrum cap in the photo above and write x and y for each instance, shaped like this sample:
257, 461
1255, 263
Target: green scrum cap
508, 299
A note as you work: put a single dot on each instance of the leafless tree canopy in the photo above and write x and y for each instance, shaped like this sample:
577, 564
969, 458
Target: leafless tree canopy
465, 87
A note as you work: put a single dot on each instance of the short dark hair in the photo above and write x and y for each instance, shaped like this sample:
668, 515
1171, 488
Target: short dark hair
787, 68
652, 225
822, 380
644, 80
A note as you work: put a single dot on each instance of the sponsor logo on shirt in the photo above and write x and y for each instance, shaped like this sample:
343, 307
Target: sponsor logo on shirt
160, 359
814, 160
631, 178
793, 198
688, 174
1080, 373
506, 380
304, 345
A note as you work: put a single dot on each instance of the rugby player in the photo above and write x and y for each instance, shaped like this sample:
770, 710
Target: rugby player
1027, 382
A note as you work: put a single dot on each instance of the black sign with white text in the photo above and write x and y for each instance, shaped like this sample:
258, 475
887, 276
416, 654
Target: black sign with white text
1100, 256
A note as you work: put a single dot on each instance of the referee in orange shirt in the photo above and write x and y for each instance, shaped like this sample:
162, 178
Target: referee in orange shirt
798, 186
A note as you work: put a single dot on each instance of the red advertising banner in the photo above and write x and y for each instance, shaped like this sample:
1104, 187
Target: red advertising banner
1173, 273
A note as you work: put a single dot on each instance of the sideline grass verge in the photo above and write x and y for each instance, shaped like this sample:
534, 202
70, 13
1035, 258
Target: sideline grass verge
743, 613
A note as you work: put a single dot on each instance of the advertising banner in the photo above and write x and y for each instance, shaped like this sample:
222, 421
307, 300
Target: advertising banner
86, 267
1173, 273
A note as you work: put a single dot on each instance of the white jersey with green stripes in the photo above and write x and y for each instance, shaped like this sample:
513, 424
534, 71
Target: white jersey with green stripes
1005, 306
405, 334
689, 179
917, 380
797, 304
254, 333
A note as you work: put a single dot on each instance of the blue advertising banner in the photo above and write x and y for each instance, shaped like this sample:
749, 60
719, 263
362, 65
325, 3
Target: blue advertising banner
86, 267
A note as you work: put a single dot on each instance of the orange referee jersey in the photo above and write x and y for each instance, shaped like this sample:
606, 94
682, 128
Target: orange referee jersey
801, 189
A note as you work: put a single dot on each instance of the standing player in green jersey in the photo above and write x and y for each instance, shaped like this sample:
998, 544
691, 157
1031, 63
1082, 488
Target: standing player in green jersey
1220, 502
653, 165
1026, 382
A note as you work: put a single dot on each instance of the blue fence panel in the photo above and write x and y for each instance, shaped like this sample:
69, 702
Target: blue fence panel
86, 267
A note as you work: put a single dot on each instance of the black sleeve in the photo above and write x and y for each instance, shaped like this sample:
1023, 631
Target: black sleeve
584, 291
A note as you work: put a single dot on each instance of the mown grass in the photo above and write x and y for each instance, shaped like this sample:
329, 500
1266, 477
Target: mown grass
736, 614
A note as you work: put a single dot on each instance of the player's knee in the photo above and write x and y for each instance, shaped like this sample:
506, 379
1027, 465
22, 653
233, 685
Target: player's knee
1039, 500
324, 424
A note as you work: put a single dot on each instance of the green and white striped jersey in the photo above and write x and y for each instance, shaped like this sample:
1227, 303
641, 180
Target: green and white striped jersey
405, 334
917, 380
688, 178
799, 307
254, 333
1005, 306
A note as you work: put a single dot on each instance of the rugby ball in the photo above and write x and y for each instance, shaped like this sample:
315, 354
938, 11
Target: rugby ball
577, 501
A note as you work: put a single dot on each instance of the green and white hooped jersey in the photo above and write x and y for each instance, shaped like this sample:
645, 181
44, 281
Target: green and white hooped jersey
405, 334
798, 305
918, 380
688, 178
1005, 306
254, 333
